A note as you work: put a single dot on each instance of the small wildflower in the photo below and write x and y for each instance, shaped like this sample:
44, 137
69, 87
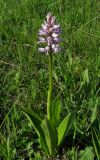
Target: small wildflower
49, 35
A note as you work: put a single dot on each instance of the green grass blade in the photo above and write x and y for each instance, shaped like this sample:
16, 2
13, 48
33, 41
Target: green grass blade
85, 76
94, 111
3, 152
96, 143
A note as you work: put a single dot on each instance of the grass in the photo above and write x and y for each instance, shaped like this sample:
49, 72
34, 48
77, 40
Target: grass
24, 72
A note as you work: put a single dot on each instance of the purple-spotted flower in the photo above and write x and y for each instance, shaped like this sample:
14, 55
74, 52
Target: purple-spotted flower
49, 35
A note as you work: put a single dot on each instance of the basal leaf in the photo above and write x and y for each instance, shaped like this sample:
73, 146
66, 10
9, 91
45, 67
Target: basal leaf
65, 126
50, 135
56, 112
35, 120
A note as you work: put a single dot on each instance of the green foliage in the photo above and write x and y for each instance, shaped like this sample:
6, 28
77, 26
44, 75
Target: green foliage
47, 132
6, 150
64, 127
86, 154
38, 156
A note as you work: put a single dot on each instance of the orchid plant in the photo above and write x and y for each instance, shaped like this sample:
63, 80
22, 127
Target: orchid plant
50, 134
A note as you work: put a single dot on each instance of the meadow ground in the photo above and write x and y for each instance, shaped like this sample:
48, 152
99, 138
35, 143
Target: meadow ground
24, 75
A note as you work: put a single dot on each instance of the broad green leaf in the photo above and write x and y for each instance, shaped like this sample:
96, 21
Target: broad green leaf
65, 126
96, 143
56, 112
50, 135
43, 143
35, 120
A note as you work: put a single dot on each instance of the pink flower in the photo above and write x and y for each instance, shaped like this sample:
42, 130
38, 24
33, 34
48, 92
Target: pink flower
49, 35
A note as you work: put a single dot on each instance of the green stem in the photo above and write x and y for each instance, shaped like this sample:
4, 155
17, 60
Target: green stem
49, 107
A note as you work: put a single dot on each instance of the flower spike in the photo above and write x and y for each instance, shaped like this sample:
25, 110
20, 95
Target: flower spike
49, 35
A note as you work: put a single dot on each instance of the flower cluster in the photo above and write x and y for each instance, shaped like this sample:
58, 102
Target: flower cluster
49, 35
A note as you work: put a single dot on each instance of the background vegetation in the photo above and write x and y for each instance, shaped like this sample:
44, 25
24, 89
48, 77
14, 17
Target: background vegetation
24, 74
